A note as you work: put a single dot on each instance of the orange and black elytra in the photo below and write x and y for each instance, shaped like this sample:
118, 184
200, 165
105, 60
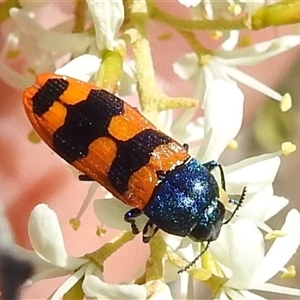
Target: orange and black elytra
112, 143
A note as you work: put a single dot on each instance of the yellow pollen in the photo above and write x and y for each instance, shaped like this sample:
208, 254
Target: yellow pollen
245, 41
286, 102
33, 137
165, 36
287, 148
200, 274
223, 197
288, 273
11, 54
235, 9
204, 59
215, 35
274, 234
75, 223
32, 72
233, 145
100, 231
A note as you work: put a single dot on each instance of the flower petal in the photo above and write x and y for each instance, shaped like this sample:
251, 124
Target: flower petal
282, 249
47, 240
108, 17
186, 67
255, 173
252, 296
246, 253
250, 81
111, 212
65, 42
69, 283
263, 205
157, 289
94, 287
259, 52
189, 3
269, 287
223, 118
81, 67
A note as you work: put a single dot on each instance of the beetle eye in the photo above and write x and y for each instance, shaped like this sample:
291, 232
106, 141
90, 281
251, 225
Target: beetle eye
200, 233
209, 226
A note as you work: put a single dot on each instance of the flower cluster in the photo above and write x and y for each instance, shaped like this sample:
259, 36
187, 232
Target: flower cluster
90, 44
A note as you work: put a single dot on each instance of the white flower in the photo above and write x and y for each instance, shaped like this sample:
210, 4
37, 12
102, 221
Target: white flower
217, 128
240, 251
108, 17
51, 260
152, 290
48, 244
29, 40
222, 119
223, 65
86, 66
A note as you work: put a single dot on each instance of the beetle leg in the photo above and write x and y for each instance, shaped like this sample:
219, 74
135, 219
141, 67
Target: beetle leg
149, 231
130, 218
186, 146
83, 177
212, 165
160, 174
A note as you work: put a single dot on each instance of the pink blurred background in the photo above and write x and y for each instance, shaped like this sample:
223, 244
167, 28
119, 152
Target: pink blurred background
32, 174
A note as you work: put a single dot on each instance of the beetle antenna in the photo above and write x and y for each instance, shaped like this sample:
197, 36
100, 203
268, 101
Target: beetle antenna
195, 259
240, 203
222, 177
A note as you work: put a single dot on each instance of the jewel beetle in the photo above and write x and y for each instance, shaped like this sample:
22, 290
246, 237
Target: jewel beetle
112, 143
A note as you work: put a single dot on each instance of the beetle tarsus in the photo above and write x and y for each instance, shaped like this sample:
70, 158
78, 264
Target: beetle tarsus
130, 218
83, 177
149, 231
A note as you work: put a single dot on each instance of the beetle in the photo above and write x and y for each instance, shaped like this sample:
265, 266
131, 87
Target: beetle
114, 144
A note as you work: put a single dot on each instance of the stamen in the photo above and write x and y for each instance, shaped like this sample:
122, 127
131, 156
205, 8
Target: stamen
286, 102
100, 231
75, 222
233, 145
287, 148
274, 234
289, 272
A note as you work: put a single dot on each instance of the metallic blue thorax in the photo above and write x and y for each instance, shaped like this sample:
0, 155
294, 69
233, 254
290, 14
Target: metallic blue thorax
187, 197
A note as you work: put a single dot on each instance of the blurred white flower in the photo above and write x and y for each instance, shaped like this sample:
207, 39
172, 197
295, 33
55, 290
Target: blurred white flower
51, 259
39, 48
108, 17
152, 290
223, 64
86, 66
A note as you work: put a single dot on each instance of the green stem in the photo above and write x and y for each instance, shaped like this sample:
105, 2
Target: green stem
192, 40
111, 71
181, 24
154, 269
145, 73
99, 256
5, 7
79, 13
282, 13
